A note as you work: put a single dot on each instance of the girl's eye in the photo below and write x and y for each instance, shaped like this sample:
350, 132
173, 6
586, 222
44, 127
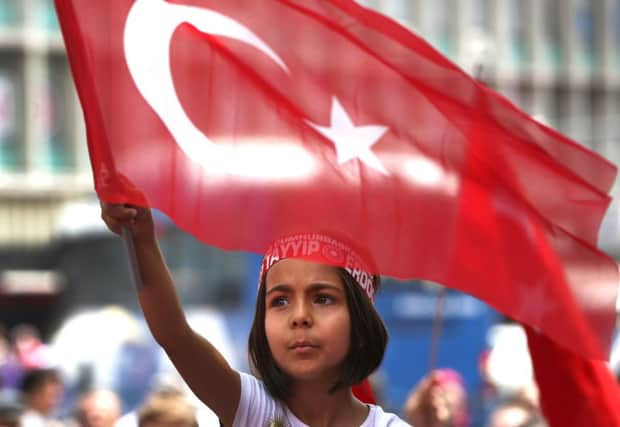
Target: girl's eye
278, 301
324, 299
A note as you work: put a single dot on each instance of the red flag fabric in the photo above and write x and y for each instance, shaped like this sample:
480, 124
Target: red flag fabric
363, 391
248, 120
574, 392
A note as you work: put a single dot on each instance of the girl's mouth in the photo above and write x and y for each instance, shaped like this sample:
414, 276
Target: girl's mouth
303, 346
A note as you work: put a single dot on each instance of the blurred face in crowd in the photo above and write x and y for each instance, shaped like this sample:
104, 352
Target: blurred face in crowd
47, 397
4, 349
509, 416
99, 409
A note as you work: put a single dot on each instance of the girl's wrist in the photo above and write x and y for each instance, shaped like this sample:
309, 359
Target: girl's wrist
144, 240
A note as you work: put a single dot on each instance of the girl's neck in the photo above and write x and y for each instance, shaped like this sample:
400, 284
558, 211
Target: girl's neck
315, 406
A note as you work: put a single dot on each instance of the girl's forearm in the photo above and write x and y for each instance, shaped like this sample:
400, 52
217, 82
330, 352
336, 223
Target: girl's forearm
193, 356
157, 295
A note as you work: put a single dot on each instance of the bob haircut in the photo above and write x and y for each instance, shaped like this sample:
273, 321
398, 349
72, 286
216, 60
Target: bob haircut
368, 340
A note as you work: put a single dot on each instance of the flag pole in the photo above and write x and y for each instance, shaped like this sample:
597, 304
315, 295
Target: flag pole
437, 329
134, 268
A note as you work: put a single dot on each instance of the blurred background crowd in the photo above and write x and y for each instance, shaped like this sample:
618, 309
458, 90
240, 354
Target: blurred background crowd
74, 348
101, 369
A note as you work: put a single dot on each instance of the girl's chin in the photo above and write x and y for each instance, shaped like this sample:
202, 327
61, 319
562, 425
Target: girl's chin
312, 374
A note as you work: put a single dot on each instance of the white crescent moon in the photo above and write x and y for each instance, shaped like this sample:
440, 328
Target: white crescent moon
148, 33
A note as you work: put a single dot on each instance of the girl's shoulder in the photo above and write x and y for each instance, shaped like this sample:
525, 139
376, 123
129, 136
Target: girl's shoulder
377, 417
256, 406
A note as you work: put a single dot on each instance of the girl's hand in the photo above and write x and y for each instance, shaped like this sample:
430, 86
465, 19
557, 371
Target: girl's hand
139, 220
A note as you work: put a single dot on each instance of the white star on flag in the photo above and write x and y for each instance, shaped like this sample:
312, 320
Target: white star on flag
352, 142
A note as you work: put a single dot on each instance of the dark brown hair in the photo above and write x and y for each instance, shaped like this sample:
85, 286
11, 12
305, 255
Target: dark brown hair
368, 340
35, 379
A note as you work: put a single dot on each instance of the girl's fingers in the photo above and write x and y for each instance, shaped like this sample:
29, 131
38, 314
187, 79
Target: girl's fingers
119, 211
116, 216
112, 224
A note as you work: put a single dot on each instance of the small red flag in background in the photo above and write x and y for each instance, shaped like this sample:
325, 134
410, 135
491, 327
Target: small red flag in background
247, 120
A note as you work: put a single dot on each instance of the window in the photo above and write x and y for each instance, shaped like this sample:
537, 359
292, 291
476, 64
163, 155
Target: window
478, 14
10, 16
615, 25
517, 20
585, 27
46, 18
598, 99
560, 119
440, 27
11, 138
555, 54
581, 116
37, 113
395, 8
56, 152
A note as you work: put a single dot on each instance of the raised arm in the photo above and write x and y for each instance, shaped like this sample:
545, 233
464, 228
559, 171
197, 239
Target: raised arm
200, 364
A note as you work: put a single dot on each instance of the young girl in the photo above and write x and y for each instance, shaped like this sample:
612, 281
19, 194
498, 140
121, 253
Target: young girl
315, 333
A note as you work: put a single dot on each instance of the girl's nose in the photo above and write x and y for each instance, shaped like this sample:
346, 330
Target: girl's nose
301, 317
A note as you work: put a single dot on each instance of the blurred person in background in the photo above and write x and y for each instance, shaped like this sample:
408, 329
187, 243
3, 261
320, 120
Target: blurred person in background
31, 352
11, 370
164, 386
530, 395
5, 351
171, 410
516, 412
439, 400
42, 391
105, 348
569, 391
10, 411
136, 369
98, 408
10, 415
171, 387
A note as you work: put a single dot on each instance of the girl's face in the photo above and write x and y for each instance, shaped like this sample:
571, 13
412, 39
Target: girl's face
307, 319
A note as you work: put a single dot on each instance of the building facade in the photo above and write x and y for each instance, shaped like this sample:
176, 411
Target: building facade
43, 154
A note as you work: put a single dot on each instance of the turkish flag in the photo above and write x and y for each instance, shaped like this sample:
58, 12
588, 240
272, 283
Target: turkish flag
574, 392
247, 120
